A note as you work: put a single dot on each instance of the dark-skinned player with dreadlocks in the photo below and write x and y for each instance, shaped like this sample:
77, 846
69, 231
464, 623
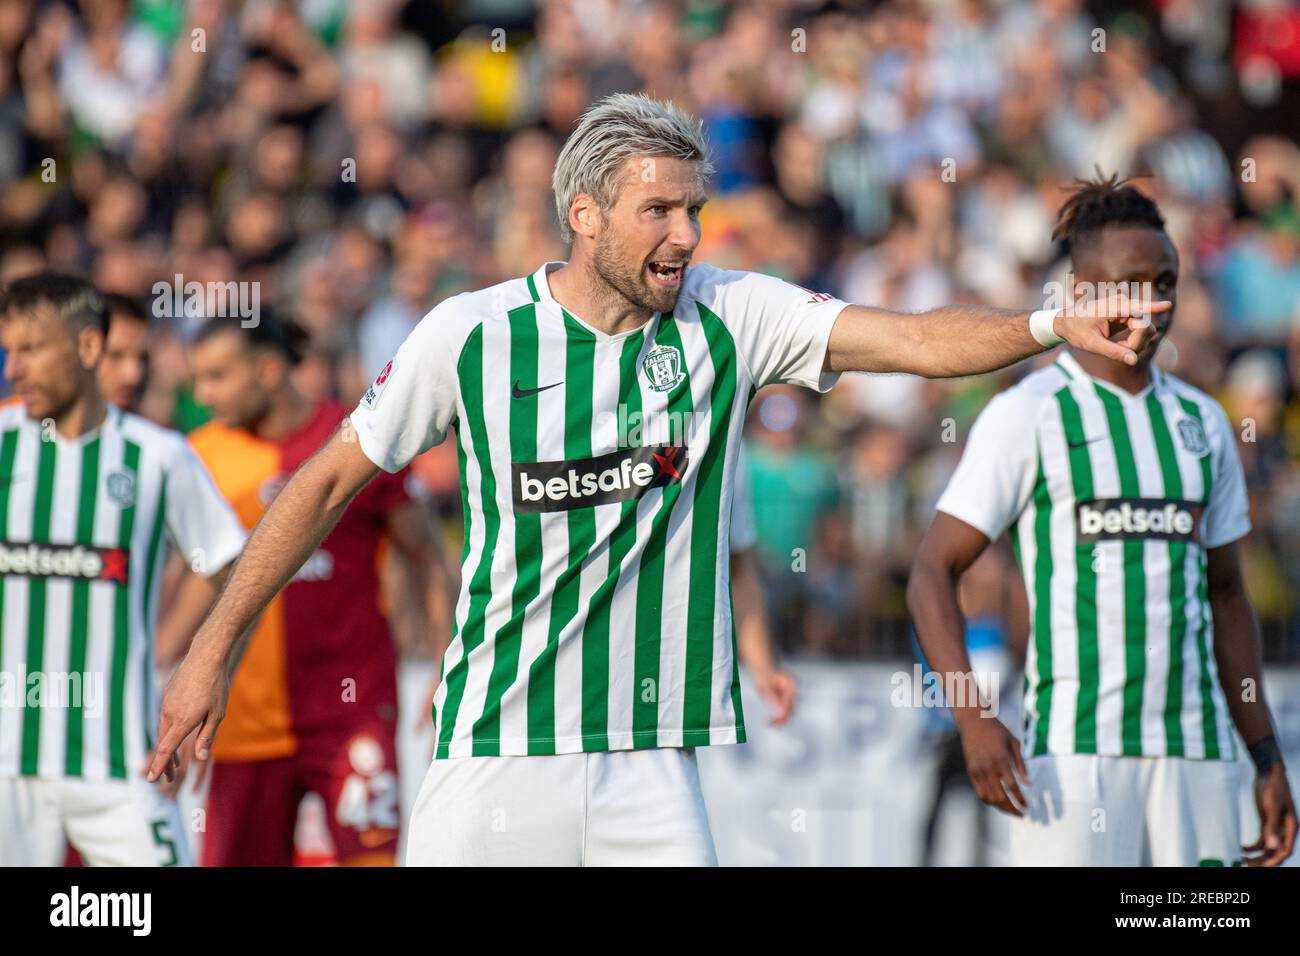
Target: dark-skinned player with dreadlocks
1122, 491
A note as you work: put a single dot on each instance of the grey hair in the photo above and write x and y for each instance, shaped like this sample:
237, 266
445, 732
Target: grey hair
612, 130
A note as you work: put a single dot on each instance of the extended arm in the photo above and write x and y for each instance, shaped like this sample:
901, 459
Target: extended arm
298, 520
960, 340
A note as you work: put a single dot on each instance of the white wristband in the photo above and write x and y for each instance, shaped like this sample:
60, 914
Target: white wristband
1041, 327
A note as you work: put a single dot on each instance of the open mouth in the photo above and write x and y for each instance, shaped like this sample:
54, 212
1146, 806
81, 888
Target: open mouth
667, 274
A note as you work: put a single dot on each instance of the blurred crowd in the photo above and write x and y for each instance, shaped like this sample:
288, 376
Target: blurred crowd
362, 160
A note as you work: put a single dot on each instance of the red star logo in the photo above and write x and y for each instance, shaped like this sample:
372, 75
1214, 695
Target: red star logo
665, 461
114, 566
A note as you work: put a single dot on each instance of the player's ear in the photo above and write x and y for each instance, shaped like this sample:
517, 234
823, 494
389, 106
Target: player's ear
584, 216
90, 347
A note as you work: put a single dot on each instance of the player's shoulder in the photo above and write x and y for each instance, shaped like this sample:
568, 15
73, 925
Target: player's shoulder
13, 413
1207, 407
157, 439
454, 319
708, 283
1027, 398
212, 438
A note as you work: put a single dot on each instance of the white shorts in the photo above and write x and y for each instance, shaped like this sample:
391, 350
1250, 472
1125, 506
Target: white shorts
1086, 810
111, 823
615, 808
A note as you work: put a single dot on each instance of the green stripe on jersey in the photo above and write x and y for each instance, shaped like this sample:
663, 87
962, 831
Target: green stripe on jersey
1085, 611
1135, 614
650, 574
147, 597
122, 627
36, 586
8, 449
595, 634
1173, 485
80, 627
528, 535
1042, 701
470, 374
579, 382
703, 596
1209, 717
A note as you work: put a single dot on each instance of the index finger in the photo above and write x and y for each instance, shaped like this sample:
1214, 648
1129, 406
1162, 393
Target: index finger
170, 736
1101, 345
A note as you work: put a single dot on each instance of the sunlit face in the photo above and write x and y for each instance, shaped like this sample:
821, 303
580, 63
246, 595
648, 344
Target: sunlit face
228, 380
1141, 256
125, 364
645, 240
48, 367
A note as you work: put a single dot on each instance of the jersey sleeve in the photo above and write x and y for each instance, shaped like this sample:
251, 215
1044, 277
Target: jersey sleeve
995, 477
200, 521
781, 329
412, 402
1227, 514
744, 530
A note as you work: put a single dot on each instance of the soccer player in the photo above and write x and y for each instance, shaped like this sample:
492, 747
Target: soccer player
313, 704
598, 405
124, 367
1123, 491
90, 498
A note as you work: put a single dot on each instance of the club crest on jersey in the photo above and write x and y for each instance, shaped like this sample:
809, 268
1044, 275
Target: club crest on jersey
371, 398
663, 367
121, 488
1193, 436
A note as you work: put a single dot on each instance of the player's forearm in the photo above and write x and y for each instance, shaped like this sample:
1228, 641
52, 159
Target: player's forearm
940, 626
753, 641
946, 342
1237, 656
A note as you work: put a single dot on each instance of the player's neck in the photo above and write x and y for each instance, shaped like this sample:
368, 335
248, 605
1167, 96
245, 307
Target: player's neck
579, 289
1131, 378
289, 410
86, 413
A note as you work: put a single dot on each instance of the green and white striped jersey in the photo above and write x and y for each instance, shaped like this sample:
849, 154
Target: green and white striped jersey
596, 474
1114, 499
84, 528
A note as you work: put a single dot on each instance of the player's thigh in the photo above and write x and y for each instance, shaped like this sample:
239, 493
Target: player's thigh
1084, 810
123, 823
251, 811
1193, 812
31, 825
356, 776
499, 811
646, 808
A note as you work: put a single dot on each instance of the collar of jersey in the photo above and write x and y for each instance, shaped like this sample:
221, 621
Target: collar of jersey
1076, 372
540, 289
110, 411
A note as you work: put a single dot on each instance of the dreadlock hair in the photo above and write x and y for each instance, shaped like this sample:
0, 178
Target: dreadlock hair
1097, 203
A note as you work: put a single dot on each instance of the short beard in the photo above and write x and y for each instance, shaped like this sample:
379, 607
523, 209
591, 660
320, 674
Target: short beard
627, 281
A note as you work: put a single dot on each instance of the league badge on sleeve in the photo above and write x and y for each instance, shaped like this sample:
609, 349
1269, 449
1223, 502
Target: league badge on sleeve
371, 398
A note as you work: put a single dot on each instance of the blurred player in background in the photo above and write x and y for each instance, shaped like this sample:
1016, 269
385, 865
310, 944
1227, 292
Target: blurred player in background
124, 368
1124, 492
91, 498
313, 705
594, 645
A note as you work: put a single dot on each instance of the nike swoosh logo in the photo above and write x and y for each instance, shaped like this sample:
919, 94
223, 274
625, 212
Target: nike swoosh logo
1086, 441
517, 392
